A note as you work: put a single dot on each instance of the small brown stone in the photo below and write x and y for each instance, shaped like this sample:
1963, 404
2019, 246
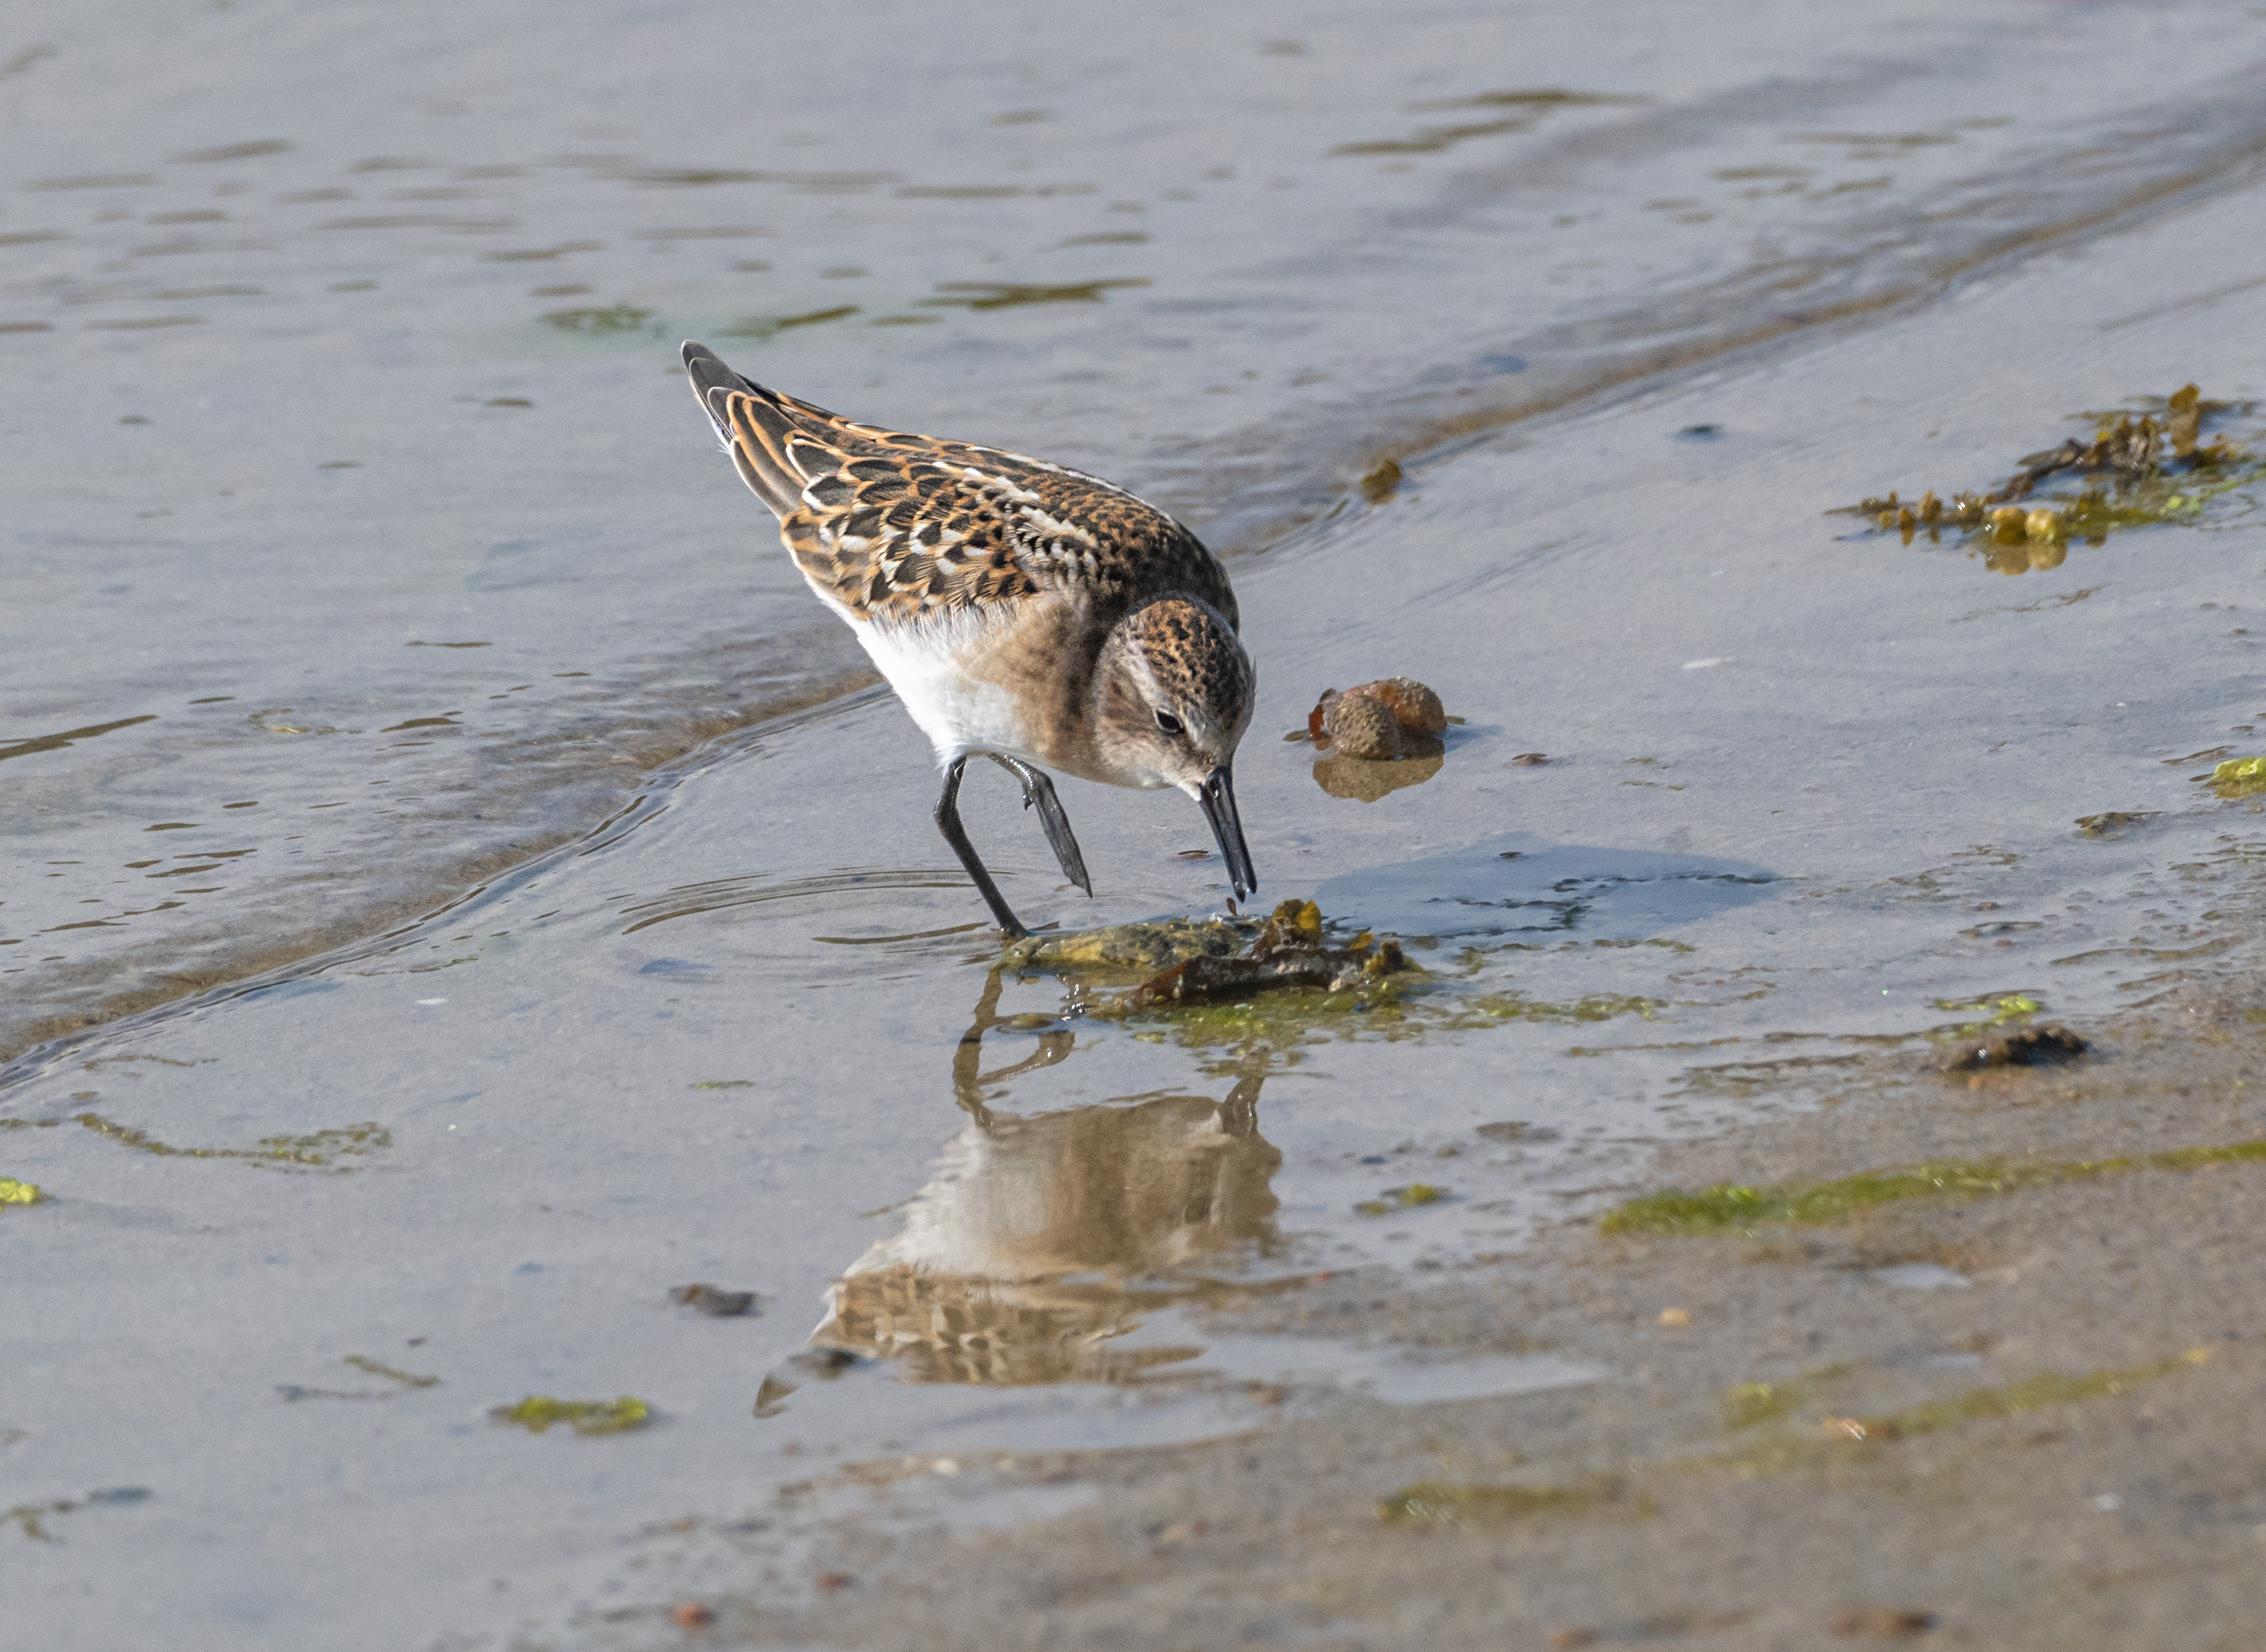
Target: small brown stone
1360, 725
692, 1615
718, 1303
833, 1583
1416, 706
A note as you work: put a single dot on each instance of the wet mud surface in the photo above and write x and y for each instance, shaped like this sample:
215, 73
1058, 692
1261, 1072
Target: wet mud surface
2012, 1416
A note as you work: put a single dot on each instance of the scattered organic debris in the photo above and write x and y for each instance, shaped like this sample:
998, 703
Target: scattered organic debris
319, 1149
2143, 470
1514, 1130
2017, 1047
32, 1516
1381, 481
2239, 777
1530, 760
1408, 1198
292, 1393
15, 1192
587, 1417
721, 1304
1728, 1208
2115, 823
378, 1367
1288, 952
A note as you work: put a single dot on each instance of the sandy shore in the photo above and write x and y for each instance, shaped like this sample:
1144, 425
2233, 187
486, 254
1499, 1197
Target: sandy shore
2016, 1421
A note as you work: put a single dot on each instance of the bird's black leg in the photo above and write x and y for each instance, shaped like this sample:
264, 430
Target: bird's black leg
1039, 793
947, 822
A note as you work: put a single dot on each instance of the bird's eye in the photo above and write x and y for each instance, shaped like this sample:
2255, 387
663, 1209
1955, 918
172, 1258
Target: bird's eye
1169, 723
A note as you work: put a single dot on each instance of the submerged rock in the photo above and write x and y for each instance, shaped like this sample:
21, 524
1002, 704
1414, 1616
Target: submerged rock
2015, 1047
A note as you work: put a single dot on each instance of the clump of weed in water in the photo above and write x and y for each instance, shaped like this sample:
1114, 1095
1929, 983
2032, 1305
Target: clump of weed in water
2139, 472
587, 1417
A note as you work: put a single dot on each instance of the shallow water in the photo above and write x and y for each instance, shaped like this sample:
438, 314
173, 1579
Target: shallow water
1807, 791
361, 540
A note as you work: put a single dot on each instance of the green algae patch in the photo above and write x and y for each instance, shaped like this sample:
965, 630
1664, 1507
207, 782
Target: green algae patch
1727, 1208
321, 1149
1749, 1405
2032, 1394
2148, 469
587, 1417
2239, 777
15, 1192
1279, 982
1415, 1194
1995, 1010
1494, 1008
1448, 1505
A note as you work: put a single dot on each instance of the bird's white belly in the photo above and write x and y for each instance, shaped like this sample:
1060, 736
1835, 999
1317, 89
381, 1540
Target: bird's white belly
959, 712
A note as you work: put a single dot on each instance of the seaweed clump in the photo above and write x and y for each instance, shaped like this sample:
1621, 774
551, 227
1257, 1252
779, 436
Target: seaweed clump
1289, 951
2140, 470
587, 1417
2239, 777
15, 1192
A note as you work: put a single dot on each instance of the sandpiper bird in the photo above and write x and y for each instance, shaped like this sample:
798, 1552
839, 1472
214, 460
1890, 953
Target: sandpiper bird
1023, 612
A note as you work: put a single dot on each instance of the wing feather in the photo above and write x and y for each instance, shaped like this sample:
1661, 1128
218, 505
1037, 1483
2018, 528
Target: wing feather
900, 529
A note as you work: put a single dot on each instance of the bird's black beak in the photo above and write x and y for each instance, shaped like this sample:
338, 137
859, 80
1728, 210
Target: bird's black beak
1216, 796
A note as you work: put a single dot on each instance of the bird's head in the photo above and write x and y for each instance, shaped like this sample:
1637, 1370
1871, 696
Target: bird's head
1175, 696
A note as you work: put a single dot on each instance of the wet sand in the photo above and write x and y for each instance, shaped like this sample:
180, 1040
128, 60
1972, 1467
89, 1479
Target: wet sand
2026, 1420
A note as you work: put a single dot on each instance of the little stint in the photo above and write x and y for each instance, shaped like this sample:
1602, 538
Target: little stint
1023, 612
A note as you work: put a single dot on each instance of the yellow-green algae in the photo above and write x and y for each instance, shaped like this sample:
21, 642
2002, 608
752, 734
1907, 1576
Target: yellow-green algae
587, 1417
1835, 1441
1416, 1193
15, 1192
2239, 777
1408, 1002
1749, 1405
2015, 531
1728, 1208
2032, 1394
1995, 1010
319, 1149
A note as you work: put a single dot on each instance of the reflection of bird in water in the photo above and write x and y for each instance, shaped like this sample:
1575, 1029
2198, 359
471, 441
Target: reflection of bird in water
1042, 1238
1022, 612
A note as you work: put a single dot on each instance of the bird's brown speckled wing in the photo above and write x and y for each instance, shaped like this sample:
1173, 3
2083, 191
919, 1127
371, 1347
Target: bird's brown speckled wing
899, 528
